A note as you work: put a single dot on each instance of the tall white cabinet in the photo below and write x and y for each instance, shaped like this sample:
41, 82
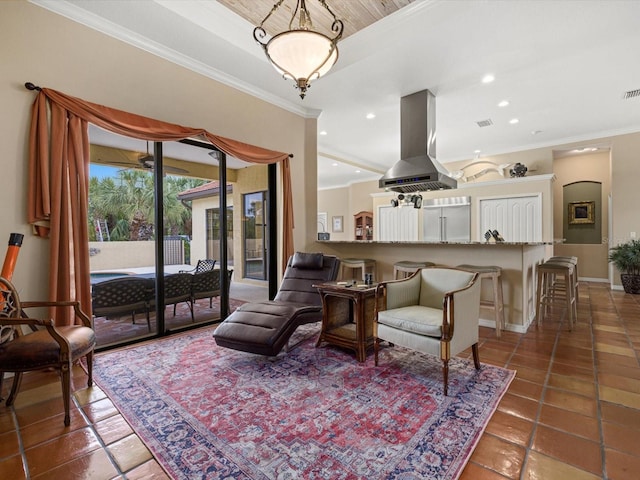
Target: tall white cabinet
398, 224
517, 218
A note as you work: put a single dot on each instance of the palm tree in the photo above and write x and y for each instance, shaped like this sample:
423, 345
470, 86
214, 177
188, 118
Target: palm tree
126, 202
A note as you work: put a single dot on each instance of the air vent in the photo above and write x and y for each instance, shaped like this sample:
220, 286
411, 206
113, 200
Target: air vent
485, 123
631, 94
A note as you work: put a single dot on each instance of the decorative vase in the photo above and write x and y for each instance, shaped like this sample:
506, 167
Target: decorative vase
630, 283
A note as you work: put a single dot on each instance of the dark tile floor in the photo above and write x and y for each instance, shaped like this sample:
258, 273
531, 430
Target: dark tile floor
572, 413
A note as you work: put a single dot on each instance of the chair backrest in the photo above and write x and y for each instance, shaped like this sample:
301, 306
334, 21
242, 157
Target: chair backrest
9, 307
205, 265
120, 294
435, 282
303, 271
208, 283
177, 286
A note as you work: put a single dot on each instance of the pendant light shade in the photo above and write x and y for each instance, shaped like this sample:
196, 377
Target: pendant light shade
301, 54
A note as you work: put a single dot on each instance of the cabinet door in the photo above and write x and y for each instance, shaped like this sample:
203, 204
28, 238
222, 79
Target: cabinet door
432, 225
526, 219
456, 223
387, 223
397, 224
518, 219
494, 216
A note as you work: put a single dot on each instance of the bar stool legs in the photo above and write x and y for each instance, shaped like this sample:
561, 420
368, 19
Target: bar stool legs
551, 292
493, 273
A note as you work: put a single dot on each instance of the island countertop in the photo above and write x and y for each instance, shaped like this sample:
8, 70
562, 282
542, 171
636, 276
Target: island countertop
517, 261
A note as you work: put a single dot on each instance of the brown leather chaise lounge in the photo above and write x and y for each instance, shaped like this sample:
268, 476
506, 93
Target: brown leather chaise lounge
264, 328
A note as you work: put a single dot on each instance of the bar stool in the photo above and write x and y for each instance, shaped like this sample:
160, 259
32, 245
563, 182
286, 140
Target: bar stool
551, 292
574, 261
361, 263
407, 267
491, 272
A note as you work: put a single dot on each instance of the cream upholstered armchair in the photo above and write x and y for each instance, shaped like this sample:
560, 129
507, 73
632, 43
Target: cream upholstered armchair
434, 311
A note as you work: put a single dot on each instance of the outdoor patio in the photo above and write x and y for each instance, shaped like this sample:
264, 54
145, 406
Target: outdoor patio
119, 329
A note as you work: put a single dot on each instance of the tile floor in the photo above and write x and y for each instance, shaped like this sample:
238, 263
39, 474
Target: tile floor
572, 413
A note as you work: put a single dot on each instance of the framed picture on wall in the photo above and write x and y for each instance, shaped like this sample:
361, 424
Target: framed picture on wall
336, 223
581, 213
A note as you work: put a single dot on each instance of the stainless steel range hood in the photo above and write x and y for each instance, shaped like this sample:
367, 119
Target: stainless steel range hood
418, 170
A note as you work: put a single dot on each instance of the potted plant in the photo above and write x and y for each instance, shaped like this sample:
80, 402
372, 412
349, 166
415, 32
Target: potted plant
626, 258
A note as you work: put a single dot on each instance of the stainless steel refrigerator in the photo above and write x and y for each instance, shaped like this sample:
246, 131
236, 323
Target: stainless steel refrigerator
447, 219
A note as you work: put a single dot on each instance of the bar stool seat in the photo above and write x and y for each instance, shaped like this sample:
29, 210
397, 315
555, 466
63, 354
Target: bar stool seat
407, 267
492, 272
358, 263
550, 292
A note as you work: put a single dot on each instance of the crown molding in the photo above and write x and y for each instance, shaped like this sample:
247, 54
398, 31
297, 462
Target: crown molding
100, 24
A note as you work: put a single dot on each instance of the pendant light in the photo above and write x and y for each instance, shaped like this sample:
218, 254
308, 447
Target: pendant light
300, 53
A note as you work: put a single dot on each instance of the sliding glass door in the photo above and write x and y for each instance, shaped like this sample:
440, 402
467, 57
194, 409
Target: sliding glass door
255, 234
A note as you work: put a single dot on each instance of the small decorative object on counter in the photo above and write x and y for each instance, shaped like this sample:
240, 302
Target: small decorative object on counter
497, 236
518, 170
488, 235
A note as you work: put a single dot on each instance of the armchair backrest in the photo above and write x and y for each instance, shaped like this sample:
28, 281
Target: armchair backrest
435, 282
303, 271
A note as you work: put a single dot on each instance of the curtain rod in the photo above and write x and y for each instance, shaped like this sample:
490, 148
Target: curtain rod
31, 86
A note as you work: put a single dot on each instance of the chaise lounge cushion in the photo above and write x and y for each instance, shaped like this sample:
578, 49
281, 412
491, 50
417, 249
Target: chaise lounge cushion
265, 327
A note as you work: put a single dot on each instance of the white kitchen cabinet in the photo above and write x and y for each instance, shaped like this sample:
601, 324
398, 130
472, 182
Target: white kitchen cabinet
397, 224
518, 219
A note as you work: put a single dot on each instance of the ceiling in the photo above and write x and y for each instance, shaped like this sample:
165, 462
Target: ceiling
563, 66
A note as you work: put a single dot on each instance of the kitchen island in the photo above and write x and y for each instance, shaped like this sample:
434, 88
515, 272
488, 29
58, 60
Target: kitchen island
518, 261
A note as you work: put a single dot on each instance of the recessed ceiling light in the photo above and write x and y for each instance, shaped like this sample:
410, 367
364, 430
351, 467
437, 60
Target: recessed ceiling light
334, 164
370, 116
513, 121
476, 151
535, 132
503, 103
488, 78
323, 132
357, 171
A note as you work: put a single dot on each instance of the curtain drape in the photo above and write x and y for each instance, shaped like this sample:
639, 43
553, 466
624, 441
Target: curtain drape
59, 176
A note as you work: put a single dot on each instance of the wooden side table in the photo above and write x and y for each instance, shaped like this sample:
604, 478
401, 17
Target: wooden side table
347, 316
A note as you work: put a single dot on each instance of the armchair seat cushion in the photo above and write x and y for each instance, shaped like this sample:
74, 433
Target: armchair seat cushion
415, 319
39, 349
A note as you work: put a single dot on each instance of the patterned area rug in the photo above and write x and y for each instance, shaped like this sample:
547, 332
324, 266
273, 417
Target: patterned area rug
313, 413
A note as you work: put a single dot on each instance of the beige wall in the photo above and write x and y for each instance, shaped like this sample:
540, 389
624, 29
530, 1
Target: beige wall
592, 258
51, 51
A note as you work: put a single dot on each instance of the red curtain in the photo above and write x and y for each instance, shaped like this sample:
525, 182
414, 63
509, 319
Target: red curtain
59, 175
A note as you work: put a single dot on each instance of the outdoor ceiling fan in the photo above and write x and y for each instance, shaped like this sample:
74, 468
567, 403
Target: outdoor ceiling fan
146, 161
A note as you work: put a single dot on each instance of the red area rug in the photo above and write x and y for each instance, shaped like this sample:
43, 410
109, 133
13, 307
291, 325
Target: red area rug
313, 413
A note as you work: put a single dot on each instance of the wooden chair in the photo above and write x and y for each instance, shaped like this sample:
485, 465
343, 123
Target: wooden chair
434, 311
46, 347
